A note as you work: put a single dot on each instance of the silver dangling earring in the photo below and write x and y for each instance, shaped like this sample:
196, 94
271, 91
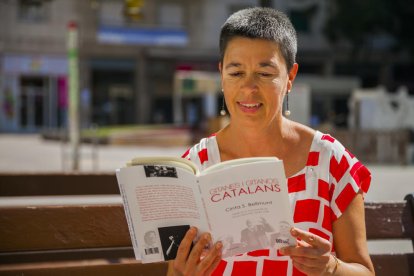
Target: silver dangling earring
287, 111
223, 111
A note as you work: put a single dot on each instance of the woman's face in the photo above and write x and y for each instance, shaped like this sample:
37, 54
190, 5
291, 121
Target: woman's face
254, 79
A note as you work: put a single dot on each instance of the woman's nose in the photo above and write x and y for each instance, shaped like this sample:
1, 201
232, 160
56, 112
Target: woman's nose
250, 82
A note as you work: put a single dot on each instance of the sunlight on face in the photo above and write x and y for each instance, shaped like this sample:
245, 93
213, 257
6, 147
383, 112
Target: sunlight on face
255, 80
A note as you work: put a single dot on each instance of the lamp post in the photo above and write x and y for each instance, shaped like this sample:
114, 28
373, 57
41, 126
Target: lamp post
73, 93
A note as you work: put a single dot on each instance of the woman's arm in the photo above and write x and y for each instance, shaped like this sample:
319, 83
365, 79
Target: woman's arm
313, 253
350, 240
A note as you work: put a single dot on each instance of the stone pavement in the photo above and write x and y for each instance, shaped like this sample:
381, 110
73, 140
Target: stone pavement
30, 153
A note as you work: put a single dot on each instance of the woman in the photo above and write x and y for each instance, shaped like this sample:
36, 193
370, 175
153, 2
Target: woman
326, 182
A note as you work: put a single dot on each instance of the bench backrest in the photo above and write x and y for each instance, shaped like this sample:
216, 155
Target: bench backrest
99, 232
44, 184
391, 221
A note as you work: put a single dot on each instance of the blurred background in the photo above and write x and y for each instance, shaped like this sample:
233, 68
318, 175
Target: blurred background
86, 85
144, 78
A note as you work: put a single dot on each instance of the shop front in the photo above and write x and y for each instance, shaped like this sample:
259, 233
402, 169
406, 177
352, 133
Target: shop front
33, 93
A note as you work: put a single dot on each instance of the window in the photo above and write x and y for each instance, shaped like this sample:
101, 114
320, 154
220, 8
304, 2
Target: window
111, 13
121, 13
170, 15
302, 17
33, 11
300, 20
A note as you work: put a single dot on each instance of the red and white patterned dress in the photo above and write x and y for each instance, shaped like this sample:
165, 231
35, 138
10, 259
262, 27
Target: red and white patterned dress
318, 194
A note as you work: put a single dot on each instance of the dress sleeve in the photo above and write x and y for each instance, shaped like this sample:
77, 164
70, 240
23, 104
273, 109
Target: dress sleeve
186, 154
348, 177
200, 154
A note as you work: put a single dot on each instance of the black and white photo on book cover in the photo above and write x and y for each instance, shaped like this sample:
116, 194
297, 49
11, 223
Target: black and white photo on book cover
243, 203
171, 237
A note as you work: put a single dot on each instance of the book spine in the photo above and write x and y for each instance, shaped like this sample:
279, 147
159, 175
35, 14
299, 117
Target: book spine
130, 223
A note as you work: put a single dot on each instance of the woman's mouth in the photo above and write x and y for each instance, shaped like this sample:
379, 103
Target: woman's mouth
249, 107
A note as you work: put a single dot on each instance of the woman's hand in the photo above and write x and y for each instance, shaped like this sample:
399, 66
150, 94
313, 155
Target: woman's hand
198, 260
312, 255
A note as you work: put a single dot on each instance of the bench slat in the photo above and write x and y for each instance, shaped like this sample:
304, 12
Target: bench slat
42, 184
393, 264
385, 265
63, 227
390, 220
91, 267
95, 226
113, 253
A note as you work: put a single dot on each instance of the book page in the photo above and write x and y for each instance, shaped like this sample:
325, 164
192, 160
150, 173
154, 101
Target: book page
161, 203
248, 207
237, 162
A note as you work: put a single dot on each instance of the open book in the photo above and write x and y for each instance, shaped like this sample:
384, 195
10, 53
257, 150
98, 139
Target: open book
242, 202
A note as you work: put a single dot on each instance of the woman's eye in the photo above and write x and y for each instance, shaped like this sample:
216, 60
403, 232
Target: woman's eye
235, 74
265, 74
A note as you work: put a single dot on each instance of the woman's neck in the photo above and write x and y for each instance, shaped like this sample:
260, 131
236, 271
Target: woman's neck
237, 142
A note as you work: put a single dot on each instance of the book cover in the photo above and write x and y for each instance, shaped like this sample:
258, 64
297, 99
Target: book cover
243, 203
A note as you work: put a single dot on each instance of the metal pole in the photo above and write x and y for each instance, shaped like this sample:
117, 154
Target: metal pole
95, 144
73, 93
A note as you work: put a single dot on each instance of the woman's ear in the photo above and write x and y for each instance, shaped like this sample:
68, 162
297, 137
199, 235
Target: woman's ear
292, 75
220, 67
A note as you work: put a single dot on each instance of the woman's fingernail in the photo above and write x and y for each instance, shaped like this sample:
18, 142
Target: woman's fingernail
293, 232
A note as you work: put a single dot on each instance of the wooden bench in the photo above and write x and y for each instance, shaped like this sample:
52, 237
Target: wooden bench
94, 239
68, 239
43, 184
391, 221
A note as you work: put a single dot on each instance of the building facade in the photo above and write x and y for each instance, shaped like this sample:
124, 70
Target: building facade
129, 52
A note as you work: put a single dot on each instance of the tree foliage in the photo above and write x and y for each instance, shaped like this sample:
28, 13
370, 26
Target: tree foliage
358, 21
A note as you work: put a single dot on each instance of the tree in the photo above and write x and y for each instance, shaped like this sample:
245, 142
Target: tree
265, 3
360, 21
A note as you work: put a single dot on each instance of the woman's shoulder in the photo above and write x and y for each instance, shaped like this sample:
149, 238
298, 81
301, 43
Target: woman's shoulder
301, 138
324, 143
327, 142
342, 161
300, 132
